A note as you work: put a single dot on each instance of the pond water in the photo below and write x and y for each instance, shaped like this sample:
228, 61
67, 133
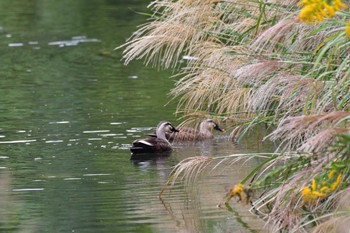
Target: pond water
69, 112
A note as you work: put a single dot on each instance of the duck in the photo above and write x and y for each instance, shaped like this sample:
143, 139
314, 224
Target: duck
187, 134
156, 144
190, 134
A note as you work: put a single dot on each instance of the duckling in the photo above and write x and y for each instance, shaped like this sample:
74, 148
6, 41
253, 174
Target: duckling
155, 144
190, 134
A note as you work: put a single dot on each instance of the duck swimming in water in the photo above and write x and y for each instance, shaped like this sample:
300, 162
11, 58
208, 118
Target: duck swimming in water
191, 134
188, 134
155, 144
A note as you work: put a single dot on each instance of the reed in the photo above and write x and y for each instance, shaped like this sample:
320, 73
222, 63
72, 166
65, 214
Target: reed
281, 63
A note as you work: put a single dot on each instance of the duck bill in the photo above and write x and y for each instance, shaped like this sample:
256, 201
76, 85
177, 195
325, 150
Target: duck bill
175, 130
219, 129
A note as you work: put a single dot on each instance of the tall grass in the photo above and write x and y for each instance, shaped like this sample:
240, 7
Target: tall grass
249, 62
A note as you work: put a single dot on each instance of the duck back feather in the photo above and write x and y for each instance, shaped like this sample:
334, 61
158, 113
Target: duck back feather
188, 134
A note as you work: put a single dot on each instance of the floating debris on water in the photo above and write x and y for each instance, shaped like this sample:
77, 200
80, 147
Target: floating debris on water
133, 76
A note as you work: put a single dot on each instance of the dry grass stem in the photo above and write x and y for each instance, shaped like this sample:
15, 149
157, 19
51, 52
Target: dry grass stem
294, 131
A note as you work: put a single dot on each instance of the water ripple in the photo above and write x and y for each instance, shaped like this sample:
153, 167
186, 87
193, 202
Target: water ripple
54, 141
74, 41
17, 141
96, 131
117, 123
59, 122
28, 189
97, 174
72, 178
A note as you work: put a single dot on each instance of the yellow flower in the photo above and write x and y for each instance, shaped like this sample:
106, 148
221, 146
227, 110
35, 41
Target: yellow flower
237, 190
347, 29
244, 194
307, 195
337, 182
330, 174
313, 184
338, 4
321, 189
319, 194
325, 189
330, 10
318, 10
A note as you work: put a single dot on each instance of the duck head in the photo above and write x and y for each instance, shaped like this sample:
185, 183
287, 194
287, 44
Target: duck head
210, 124
166, 127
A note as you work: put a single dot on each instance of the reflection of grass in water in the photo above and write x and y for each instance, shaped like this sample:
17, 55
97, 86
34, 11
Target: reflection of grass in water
239, 219
8, 214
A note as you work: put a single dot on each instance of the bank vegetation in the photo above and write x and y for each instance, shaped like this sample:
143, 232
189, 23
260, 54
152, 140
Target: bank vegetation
283, 64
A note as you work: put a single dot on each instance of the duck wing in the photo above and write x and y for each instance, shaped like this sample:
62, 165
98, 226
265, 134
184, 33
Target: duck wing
143, 145
150, 145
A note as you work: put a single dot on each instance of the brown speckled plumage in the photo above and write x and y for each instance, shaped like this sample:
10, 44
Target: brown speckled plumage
189, 134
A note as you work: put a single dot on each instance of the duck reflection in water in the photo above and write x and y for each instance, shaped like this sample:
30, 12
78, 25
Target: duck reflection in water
154, 145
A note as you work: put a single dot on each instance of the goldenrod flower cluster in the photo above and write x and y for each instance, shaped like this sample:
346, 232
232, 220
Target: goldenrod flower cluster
244, 194
237, 190
347, 29
318, 10
321, 188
